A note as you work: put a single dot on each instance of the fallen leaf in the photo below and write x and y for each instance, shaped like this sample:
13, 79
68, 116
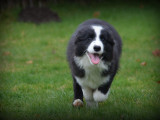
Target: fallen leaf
158, 82
96, 14
141, 6
29, 62
143, 63
6, 53
138, 60
37, 115
156, 52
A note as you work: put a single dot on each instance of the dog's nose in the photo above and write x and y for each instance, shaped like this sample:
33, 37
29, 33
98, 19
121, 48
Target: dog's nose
97, 48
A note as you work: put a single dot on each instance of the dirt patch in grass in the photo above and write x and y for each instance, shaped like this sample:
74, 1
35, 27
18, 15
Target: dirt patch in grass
38, 15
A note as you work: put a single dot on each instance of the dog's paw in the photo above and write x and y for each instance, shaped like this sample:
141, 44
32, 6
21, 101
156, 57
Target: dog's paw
98, 96
78, 103
91, 104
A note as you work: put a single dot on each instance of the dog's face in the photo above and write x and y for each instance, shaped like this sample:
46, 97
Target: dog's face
96, 42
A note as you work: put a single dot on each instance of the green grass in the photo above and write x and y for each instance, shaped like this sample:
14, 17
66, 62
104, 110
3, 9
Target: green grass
43, 89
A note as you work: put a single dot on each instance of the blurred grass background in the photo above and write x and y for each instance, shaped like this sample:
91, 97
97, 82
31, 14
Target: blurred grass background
35, 81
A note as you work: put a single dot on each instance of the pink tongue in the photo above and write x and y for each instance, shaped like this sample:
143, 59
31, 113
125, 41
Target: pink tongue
94, 58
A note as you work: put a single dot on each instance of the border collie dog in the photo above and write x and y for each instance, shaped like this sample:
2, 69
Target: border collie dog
93, 54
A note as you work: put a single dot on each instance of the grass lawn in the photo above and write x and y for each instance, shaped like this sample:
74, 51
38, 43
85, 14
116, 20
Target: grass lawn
35, 80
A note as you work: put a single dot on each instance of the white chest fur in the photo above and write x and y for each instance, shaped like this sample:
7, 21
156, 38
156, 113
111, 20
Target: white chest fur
93, 78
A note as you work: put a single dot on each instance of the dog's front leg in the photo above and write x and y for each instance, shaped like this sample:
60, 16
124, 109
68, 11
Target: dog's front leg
101, 93
88, 95
78, 95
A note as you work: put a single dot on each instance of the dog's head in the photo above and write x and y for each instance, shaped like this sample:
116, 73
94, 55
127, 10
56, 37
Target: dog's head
96, 42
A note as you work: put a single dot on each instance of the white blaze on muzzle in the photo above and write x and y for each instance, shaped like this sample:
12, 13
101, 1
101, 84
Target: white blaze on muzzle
93, 54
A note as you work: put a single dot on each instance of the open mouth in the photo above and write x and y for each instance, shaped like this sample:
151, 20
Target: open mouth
94, 58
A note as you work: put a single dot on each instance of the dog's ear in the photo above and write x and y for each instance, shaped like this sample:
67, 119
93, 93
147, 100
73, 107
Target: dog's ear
84, 34
110, 37
107, 36
78, 45
78, 37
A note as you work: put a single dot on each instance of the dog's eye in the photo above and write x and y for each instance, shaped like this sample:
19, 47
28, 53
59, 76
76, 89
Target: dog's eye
89, 38
102, 38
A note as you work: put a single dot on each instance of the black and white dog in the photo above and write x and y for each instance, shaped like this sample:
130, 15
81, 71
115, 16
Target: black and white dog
93, 54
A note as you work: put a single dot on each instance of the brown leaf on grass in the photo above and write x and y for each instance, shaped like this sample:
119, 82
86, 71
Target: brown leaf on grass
156, 52
158, 82
96, 14
6, 53
143, 63
137, 60
29, 62
141, 6
37, 115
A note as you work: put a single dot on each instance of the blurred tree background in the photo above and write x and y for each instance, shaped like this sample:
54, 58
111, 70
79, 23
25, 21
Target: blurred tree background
41, 3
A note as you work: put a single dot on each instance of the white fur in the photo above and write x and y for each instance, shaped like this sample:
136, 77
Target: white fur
96, 41
93, 78
99, 97
87, 93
